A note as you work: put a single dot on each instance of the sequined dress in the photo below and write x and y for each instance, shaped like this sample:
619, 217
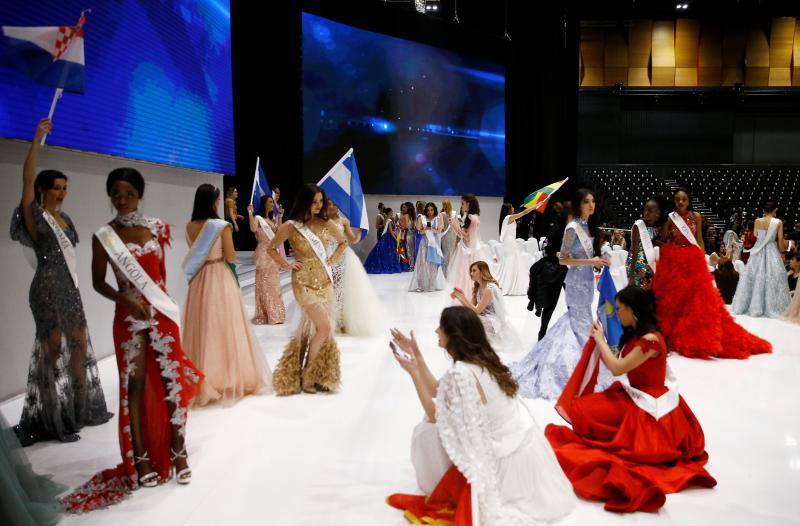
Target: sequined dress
170, 377
269, 300
544, 371
63, 392
337, 269
311, 287
639, 272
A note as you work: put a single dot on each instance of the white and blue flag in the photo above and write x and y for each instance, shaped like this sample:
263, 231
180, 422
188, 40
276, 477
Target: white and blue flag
260, 189
343, 187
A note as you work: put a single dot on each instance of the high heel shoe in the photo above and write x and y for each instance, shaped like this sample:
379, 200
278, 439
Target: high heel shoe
149, 480
183, 476
306, 389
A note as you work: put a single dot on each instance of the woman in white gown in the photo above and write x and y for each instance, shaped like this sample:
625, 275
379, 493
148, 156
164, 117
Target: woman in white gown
512, 276
763, 289
470, 248
479, 450
428, 275
355, 310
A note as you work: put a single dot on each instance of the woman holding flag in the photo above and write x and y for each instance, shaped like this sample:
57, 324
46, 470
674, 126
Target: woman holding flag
63, 392
216, 332
512, 276
270, 309
310, 361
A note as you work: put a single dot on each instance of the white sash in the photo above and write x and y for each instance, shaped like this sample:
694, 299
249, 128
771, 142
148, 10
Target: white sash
683, 227
265, 227
447, 221
133, 271
316, 245
762, 242
646, 243
433, 242
655, 407
583, 237
66, 246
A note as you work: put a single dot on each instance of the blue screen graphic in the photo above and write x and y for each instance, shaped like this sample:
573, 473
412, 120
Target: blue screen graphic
158, 81
421, 120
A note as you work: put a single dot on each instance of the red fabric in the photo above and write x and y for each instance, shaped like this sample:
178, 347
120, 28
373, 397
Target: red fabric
619, 454
450, 503
572, 391
114, 484
691, 311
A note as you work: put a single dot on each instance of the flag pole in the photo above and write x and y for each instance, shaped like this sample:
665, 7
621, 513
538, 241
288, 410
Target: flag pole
56, 96
345, 156
255, 180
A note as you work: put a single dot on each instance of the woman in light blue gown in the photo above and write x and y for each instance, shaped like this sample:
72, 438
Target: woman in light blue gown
544, 371
763, 289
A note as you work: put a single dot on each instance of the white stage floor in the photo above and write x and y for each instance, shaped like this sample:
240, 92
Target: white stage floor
333, 459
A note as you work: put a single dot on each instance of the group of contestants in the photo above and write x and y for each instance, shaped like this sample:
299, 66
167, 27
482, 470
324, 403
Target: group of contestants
479, 451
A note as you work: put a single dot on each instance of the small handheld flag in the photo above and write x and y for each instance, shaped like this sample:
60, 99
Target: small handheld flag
538, 199
606, 310
343, 187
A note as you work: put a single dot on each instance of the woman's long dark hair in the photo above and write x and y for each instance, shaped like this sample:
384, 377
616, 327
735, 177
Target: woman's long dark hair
466, 342
204, 199
474, 208
301, 209
504, 211
45, 180
643, 304
594, 231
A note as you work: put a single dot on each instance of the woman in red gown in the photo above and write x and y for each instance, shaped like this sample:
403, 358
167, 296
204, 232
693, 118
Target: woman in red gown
638, 440
157, 381
693, 316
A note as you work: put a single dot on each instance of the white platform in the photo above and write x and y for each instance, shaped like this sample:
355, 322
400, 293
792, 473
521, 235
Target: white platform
333, 459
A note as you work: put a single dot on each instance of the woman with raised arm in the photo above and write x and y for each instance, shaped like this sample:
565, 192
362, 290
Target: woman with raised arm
216, 332
479, 455
638, 440
270, 309
693, 316
428, 275
63, 392
157, 382
512, 276
310, 361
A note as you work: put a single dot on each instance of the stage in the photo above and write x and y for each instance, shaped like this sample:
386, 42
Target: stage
333, 459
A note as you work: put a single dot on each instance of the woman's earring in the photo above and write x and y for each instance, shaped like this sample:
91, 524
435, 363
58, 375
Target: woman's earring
635, 318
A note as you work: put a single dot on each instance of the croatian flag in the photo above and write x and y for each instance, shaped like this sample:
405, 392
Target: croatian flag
49, 55
343, 187
260, 189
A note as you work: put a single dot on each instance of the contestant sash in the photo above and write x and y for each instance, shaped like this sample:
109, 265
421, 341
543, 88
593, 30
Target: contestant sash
133, 272
265, 228
646, 243
198, 252
762, 242
434, 247
583, 237
66, 246
683, 227
316, 245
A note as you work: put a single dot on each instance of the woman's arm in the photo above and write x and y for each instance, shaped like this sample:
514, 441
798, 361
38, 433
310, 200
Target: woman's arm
138, 309
342, 243
252, 219
484, 302
698, 233
459, 231
44, 127
232, 214
352, 237
634, 254
620, 365
564, 259
782, 244
424, 381
228, 252
513, 217
281, 235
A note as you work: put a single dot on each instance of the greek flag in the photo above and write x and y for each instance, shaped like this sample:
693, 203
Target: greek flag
343, 187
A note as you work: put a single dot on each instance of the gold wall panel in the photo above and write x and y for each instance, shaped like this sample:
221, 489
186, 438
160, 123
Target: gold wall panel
663, 54
796, 54
781, 43
733, 46
592, 50
615, 59
709, 56
687, 40
756, 58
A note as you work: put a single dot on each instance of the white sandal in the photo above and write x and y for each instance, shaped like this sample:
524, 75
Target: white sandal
149, 480
183, 476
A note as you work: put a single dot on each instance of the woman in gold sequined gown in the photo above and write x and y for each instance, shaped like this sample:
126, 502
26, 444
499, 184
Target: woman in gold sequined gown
311, 359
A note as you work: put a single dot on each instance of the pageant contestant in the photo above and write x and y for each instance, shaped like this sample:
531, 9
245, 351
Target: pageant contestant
407, 222
357, 310
693, 316
763, 289
449, 236
486, 300
645, 237
637, 440
216, 331
270, 309
63, 392
380, 221
157, 380
428, 275
512, 275
469, 249
479, 455
792, 314
544, 371
311, 359
385, 256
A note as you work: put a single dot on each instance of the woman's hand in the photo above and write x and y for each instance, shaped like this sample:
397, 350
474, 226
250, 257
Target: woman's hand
598, 262
407, 343
250, 209
457, 295
597, 332
137, 308
44, 127
296, 265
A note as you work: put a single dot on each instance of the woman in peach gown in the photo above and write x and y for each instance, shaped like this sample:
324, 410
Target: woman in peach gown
470, 248
270, 309
216, 332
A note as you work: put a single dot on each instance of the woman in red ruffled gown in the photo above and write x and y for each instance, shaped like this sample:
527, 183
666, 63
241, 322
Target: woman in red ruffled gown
638, 440
693, 316
157, 380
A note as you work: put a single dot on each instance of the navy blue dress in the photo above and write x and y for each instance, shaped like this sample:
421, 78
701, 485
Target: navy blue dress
383, 258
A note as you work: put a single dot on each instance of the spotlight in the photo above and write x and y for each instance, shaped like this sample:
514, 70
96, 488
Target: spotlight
427, 6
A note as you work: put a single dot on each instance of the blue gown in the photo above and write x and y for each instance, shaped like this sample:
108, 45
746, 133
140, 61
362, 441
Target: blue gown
544, 371
383, 258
